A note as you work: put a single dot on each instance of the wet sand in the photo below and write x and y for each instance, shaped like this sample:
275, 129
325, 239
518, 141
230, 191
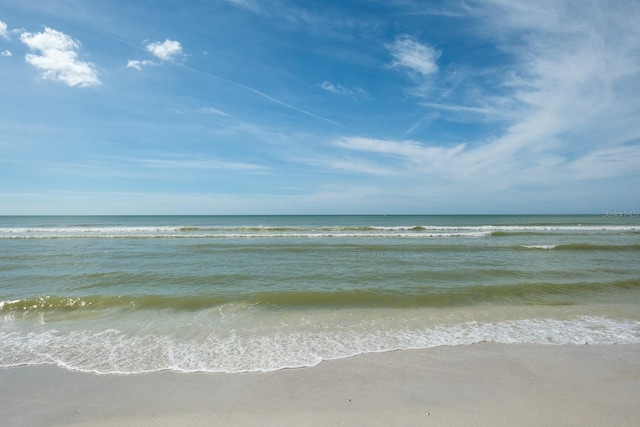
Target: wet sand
481, 385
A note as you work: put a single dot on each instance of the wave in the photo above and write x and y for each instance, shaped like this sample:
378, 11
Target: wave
48, 304
408, 231
117, 351
516, 294
582, 247
126, 234
524, 294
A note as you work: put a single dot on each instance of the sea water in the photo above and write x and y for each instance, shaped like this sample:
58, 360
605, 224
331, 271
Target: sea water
133, 294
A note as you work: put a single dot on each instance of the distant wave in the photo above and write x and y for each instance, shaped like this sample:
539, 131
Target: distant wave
409, 231
582, 247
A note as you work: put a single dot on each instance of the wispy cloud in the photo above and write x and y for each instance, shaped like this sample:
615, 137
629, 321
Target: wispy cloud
606, 163
284, 104
150, 164
6, 53
57, 58
576, 72
485, 112
408, 53
449, 9
565, 103
251, 5
358, 165
356, 92
182, 162
321, 20
379, 157
213, 111
411, 151
264, 95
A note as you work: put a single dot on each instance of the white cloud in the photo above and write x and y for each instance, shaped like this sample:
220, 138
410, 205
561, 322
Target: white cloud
413, 55
4, 33
4, 30
138, 64
166, 50
57, 58
6, 53
341, 90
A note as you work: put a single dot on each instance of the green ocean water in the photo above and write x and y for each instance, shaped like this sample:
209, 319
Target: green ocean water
250, 293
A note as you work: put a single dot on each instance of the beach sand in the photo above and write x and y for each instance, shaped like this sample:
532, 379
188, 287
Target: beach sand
480, 385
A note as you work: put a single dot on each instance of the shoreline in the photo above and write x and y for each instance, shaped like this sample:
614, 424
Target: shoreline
479, 384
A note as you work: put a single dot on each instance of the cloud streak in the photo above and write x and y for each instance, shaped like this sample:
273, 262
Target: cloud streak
409, 151
182, 162
264, 95
213, 111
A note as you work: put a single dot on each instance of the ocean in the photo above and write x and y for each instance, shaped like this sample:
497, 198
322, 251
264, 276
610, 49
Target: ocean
135, 294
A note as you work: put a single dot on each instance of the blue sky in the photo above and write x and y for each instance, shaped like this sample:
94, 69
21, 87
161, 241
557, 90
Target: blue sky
319, 107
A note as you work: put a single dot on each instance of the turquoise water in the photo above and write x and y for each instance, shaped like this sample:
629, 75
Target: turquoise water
256, 293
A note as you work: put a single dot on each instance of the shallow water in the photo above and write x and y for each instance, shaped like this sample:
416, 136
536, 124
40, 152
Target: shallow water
246, 293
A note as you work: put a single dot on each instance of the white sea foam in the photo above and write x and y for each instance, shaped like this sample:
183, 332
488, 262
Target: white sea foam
173, 232
112, 351
544, 247
412, 231
3, 303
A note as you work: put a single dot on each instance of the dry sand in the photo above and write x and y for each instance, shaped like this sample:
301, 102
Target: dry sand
479, 385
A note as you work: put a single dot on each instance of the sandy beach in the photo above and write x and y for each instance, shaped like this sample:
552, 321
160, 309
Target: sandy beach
485, 384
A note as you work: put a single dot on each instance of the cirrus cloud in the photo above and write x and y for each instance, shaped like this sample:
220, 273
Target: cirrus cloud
415, 56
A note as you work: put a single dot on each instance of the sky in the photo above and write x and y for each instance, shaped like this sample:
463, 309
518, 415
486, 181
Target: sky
319, 107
